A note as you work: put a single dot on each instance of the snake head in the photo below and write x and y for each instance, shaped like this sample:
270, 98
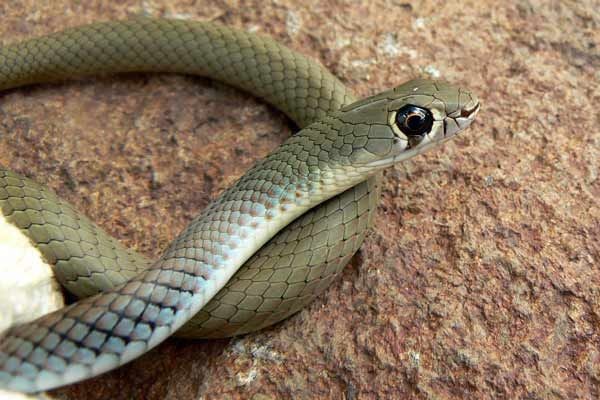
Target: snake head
407, 120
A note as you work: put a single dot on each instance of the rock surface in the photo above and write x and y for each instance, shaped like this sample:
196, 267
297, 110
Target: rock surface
480, 278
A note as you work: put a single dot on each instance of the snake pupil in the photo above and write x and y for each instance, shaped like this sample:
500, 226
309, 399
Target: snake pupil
414, 120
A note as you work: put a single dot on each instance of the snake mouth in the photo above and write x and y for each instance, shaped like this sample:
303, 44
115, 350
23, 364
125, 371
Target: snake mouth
460, 120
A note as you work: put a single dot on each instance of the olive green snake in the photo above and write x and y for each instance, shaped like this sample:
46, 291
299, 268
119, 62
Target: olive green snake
262, 250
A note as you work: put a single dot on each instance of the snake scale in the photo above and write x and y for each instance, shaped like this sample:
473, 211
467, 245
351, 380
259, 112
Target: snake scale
263, 249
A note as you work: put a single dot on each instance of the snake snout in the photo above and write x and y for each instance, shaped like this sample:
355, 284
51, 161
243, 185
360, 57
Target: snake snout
462, 118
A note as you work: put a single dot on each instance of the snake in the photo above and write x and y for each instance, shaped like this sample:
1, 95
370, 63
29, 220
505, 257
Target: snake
262, 250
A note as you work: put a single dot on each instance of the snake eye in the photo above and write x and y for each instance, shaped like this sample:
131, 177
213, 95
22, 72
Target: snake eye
414, 121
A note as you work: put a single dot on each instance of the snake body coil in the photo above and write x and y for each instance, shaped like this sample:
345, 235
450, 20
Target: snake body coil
321, 184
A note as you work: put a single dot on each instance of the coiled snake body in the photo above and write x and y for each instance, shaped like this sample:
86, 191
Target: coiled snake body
288, 225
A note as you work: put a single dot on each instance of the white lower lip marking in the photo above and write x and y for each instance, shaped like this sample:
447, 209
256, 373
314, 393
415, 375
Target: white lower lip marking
450, 127
464, 122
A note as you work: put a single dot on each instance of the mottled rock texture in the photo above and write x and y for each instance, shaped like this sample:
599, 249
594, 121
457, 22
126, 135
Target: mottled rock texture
480, 278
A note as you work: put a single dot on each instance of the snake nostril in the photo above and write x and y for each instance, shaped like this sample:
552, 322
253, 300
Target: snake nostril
467, 112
